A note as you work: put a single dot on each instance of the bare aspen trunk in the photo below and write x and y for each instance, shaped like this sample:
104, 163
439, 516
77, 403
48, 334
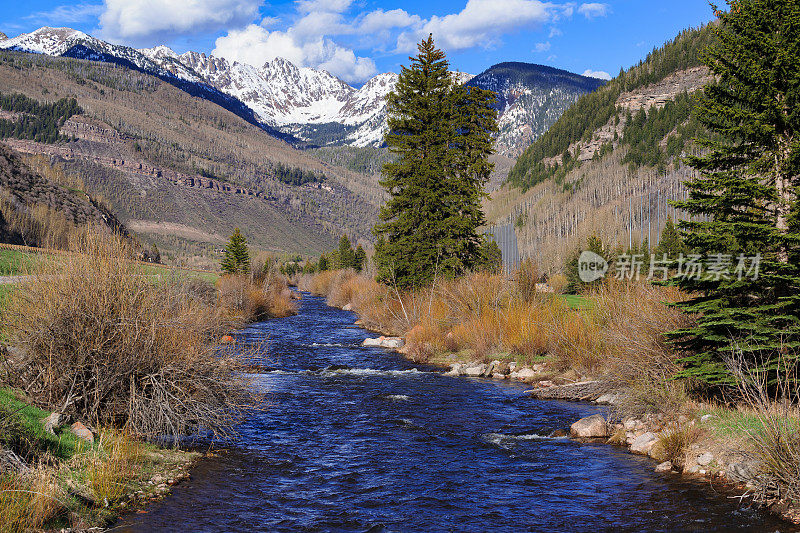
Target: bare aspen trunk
784, 197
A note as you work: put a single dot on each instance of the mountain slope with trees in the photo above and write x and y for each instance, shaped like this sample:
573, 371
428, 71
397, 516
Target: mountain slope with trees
138, 137
612, 161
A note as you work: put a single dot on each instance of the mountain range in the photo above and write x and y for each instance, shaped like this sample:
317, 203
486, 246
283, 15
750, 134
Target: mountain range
311, 107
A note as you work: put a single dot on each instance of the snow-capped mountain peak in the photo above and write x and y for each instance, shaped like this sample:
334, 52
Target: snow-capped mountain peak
159, 52
46, 40
313, 105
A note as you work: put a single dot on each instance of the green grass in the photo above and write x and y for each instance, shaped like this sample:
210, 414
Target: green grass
22, 422
577, 302
13, 262
165, 271
733, 423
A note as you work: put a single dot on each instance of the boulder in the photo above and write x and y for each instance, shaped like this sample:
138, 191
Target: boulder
393, 342
742, 472
666, 466
347, 307
51, 423
502, 367
12, 463
525, 373
456, 369
644, 443
608, 398
498, 375
82, 432
594, 426
490, 369
475, 370
704, 459
376, 343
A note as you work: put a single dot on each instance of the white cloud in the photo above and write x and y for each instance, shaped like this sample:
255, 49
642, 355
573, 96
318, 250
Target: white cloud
380, 20
482, 22
328, 6
542, 47
597, 74
144, 21
555, 32
65, 15
256, 45
593, 10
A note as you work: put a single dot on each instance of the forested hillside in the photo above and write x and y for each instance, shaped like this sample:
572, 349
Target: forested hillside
612, 162
40, 205
555, 150
164, 160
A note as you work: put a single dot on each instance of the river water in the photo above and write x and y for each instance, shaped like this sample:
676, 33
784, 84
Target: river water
358, 439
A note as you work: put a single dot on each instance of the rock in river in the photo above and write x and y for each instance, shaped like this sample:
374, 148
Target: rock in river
666, 466
594, 426
475, 371
644, 443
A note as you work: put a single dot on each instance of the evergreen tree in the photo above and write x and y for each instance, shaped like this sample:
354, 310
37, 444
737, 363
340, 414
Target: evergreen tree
155, 254
359, 259
574, 282
346, 253
237, 257
322, 266
748, 189
491, 257
440, 135
670, 242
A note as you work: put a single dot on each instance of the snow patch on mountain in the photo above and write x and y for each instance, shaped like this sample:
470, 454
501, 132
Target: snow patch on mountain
319, 108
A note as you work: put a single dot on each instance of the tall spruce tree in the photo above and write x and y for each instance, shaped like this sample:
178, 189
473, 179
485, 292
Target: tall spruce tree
237, 257
359, 258
747, 188
346, 253
440, 133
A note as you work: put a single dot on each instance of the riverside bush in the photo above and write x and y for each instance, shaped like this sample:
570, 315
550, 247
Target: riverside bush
620, 335
253, 298
772, 428
103, 343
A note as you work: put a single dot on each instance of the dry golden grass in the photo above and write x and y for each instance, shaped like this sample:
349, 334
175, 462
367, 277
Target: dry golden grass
620, 335
109, 468
674, 441
105, 344
29, 502
251, 298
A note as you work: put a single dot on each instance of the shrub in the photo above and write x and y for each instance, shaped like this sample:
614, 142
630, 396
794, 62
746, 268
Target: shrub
252, 298
773, 431
674, 441
632, 319
103, 343
525, 280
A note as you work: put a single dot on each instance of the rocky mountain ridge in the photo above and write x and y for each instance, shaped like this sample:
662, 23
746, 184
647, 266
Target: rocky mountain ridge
307, 106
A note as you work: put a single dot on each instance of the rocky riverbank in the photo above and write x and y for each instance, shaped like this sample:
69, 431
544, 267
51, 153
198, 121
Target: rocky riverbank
687, 444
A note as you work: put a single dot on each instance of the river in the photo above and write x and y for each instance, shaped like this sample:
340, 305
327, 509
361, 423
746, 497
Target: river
358, 439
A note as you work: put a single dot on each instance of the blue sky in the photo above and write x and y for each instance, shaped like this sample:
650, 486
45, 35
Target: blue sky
356, 39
